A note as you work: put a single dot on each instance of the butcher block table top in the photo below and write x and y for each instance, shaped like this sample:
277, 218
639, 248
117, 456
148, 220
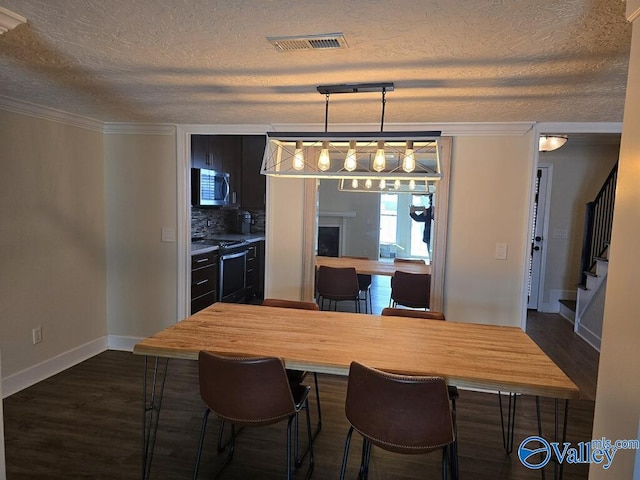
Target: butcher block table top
373, 267
466, 355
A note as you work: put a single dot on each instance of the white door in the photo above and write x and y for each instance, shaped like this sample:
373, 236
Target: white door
538, 252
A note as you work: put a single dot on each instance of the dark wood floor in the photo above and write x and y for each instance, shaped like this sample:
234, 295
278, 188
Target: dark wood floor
86, 423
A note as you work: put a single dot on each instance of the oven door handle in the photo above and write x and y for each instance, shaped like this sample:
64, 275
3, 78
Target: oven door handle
228, 256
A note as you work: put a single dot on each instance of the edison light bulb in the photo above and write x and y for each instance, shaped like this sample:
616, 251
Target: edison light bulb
396, 184
368, 183
379, 162
324, 162
409, 162
383, 184
350, 162
298, 156
412, 184
354, 183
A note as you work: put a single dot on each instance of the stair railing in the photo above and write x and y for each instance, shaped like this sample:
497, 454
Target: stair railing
597, 224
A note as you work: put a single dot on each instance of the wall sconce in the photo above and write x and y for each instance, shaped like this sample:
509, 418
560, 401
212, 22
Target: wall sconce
374, 155
551, 142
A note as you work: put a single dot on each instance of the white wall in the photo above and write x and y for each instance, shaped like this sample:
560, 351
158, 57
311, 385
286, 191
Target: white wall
491, 180
362, 231
140, 178
617, 407
284, 238
579, 170
52, 242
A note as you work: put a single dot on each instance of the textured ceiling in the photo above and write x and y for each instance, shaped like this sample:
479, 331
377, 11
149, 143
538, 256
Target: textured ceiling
208, 61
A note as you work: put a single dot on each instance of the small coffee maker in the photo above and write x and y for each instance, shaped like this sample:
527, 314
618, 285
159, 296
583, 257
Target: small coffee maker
243, 222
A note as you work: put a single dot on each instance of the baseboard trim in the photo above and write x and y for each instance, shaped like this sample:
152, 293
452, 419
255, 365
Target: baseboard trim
555, 295
32, 375
588, 336
122, 343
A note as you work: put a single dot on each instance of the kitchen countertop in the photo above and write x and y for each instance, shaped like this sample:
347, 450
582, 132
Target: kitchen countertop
197, 248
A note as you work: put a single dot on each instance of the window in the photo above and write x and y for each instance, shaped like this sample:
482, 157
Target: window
418, 248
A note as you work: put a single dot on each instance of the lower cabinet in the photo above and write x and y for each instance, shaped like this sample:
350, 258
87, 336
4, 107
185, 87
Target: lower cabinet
255, 270
204, 280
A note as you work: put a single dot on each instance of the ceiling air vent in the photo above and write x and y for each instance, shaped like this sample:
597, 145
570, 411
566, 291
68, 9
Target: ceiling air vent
309, 42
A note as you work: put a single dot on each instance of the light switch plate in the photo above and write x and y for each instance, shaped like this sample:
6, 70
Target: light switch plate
501, 251
168, 234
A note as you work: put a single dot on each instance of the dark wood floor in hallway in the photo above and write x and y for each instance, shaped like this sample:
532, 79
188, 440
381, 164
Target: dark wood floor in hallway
86, 423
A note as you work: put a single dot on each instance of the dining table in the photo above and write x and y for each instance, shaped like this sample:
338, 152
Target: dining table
466, 355
374, 267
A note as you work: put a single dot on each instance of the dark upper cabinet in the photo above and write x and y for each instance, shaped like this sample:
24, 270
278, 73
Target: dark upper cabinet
254, 184
241, 157
231, 147
206, 152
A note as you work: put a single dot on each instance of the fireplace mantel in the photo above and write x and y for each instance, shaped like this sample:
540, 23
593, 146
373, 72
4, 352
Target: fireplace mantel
336, 220
337, 214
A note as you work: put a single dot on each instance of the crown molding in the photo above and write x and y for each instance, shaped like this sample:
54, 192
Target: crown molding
633, 10
58, 116
114, 128
50, 114
9, 20
579, 127
249, 129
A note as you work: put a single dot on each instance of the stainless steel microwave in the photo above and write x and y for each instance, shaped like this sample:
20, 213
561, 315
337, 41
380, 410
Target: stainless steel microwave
209, 188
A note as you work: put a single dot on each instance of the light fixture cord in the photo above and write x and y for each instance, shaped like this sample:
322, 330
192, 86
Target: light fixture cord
326, 113
384, 101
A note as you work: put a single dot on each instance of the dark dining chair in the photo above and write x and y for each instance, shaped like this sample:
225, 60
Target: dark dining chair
249, 392
337, 285
410, 289
296, 377
364, 283
398, 413
452, 390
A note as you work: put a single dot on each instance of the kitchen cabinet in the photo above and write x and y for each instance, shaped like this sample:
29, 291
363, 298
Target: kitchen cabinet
204, 280
241, 157
254, 184
206, 152
255, 270
222, 153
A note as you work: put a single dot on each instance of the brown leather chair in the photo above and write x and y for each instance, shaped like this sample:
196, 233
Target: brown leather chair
249, 392
337, 285
364, 283
410, 289
451, 389
398, 413
297, 376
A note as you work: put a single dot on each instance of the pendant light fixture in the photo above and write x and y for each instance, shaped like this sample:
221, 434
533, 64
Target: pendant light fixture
395, 155
413, 186
350, 161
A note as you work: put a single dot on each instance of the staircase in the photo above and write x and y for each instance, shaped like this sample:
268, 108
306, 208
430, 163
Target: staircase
590, 302
587, 311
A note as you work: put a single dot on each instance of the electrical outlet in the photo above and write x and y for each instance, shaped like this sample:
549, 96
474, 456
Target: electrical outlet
37, 335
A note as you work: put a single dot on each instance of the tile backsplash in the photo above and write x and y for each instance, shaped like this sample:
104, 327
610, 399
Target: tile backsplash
207, 222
